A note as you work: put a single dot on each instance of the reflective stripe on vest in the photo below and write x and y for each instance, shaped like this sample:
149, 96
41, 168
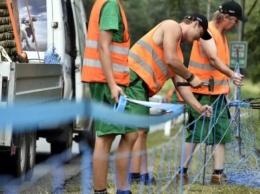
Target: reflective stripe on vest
201, 67
116, 67
210, 68
147, 60
92, 70
113, 48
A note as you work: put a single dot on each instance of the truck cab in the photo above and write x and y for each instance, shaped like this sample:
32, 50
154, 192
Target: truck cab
52, 34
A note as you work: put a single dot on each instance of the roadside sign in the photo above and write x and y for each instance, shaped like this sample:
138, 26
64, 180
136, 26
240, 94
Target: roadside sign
239, 47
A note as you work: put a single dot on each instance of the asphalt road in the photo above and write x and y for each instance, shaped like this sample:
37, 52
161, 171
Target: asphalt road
45, 172
50, 177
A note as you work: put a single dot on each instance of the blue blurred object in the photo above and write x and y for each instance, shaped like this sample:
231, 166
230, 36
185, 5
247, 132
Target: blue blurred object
51, 57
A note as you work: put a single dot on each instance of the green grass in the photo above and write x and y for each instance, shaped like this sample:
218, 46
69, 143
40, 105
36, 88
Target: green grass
197, 187
158, 138
167, 86
159, 143
249, 90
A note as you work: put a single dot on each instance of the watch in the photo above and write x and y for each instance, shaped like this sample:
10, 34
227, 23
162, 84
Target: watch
190, 78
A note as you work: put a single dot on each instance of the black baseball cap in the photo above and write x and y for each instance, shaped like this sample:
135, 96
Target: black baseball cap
202, 21
232, 8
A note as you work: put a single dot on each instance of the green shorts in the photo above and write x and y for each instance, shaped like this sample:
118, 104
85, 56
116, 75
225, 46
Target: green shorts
217, 125
100, 92
137, 90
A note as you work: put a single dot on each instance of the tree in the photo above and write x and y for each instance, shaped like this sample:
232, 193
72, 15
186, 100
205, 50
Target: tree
145, 14
252, 31
139, 20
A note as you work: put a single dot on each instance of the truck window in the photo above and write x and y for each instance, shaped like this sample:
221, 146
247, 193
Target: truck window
33, 16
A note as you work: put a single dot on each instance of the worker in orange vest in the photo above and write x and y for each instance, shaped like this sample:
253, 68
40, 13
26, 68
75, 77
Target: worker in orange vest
154, 59
106, 70
211, 58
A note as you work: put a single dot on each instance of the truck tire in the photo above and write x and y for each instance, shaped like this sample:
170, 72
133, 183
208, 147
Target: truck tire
64, 144
31, 154
19, 160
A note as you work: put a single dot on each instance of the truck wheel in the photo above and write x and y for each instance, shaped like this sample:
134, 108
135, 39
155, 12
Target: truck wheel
19, 160
87, 138
64, 145
31, 154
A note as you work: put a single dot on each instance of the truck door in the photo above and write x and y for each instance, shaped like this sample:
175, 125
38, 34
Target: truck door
80, 21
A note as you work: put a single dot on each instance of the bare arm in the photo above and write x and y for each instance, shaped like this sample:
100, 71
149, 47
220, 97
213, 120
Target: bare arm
189, 98
104, 43
171, 33
211, 54
105, 39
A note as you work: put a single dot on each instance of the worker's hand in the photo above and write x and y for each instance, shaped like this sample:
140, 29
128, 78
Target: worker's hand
196, 82
116, 91
205, 109
22, 58
237, 79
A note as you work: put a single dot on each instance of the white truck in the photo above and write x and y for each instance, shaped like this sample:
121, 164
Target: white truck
58, 26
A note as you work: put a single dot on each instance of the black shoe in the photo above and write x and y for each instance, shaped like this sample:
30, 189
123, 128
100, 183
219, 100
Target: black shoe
134, 178
147, 179
101, 192
123, 192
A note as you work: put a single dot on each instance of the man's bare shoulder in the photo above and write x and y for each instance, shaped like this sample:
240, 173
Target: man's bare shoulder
170, 23
171, 28
168, 30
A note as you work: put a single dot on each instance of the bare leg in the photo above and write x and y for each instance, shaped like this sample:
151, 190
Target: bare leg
218, 156
139, 145
189, 149
123, 155
144, 164
100, 161
218, 177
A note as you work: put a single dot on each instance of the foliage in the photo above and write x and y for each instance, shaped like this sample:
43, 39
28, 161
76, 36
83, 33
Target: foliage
145, 14
139, 24
252, 31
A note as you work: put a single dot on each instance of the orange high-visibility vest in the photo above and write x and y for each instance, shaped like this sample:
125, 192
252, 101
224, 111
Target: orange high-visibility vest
147, 60
202, 68
92, 70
